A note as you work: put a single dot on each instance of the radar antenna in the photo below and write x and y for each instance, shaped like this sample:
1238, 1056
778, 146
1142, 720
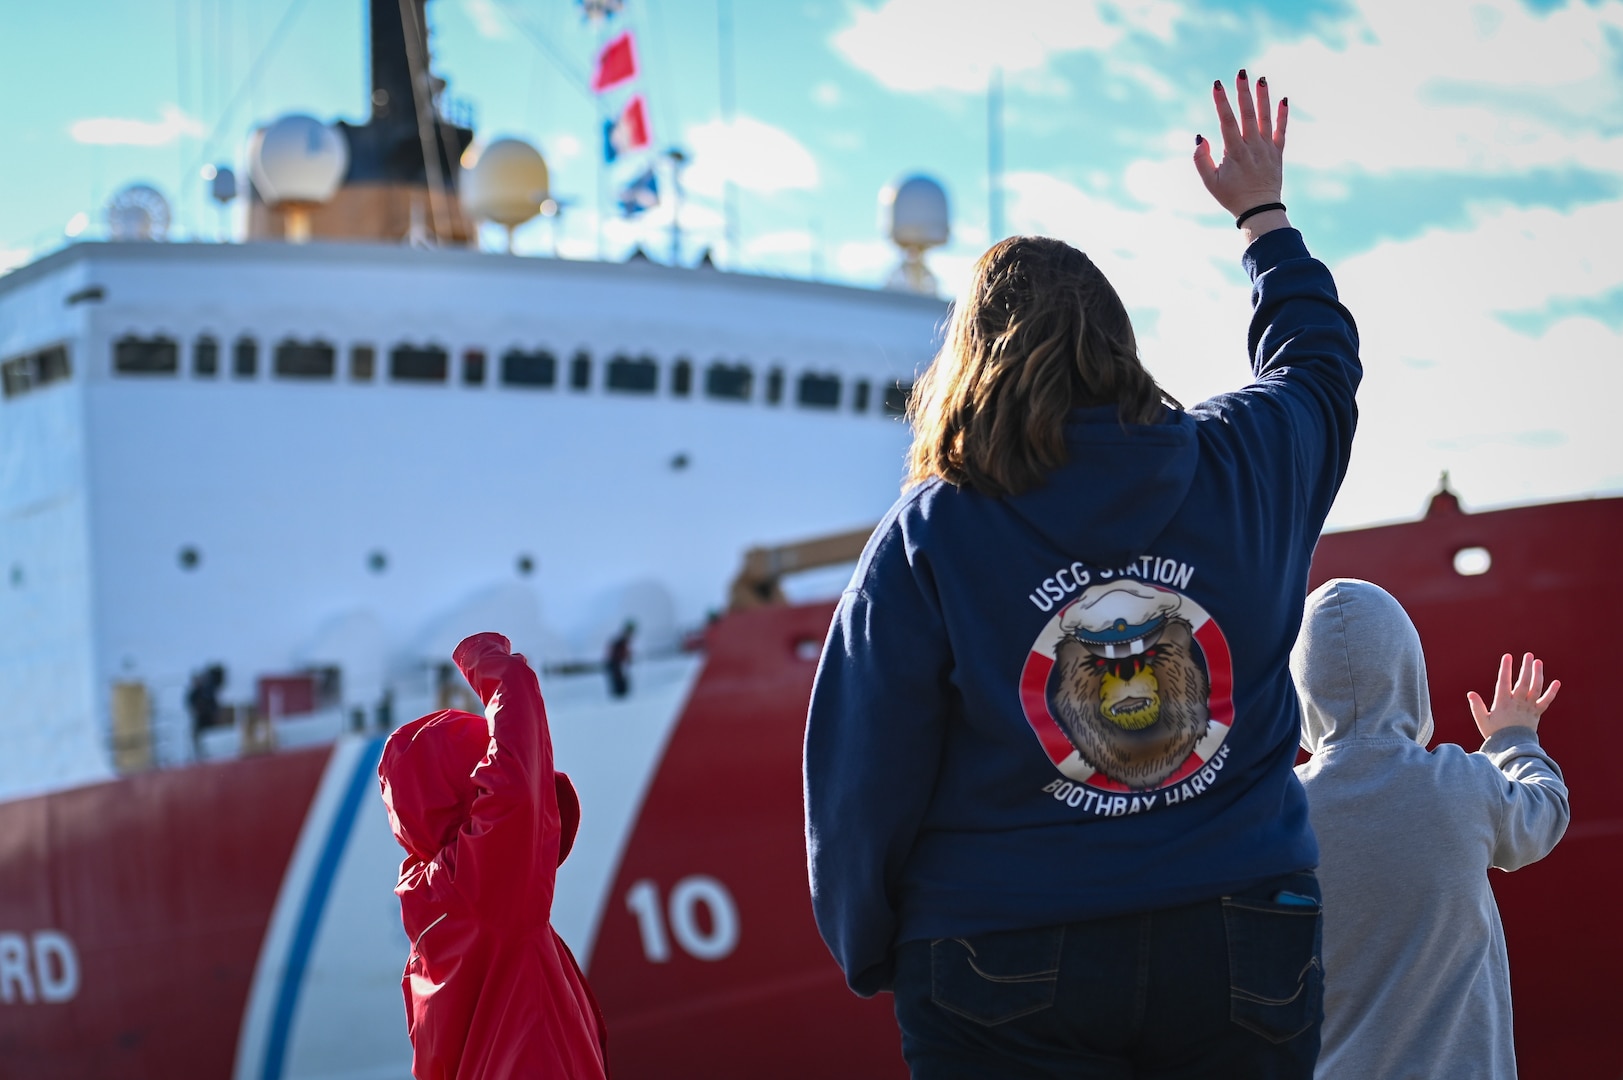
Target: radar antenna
138, 212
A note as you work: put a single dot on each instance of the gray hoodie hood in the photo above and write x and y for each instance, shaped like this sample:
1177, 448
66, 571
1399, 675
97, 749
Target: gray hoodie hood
1359, 668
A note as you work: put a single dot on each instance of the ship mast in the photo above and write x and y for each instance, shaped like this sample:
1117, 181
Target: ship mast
404, 161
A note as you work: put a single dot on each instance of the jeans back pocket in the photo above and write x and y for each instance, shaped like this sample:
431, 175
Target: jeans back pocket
994, 978
1276, 979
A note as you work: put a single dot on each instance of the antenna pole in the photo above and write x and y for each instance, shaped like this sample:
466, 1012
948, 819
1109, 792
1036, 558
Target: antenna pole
724, 67
678, 160
994, 156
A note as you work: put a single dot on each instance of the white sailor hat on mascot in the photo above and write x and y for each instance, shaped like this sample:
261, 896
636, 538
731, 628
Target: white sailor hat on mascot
1119, 619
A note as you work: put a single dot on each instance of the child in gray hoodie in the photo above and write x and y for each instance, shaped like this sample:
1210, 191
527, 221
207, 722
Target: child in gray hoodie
1417, 983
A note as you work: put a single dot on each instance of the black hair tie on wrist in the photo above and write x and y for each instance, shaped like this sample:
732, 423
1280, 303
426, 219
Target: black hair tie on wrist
1239, 221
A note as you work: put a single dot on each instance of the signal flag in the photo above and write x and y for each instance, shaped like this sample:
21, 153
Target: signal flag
641, 194
617, 63
627, 132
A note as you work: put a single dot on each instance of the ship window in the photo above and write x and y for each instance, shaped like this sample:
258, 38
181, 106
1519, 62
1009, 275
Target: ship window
21, 374
473, 367
145, 356
774, 386
859, 395
410, 364
51, 365
729, 382
14, 376
639, 376
245, 358
580, 371
897, 396
205, 357
818, 391
538, 368
682, 377
363, 362
305, 360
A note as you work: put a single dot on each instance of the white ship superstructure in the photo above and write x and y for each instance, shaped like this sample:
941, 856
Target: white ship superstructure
338, 457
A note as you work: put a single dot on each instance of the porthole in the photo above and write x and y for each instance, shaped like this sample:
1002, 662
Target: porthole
679, 461
859, 395
1472, 561
206, 357
363, 360
526, 566
190, 558
580, 371
682, 377
145, 356
538, 368
377, 562
897, 396
245, 358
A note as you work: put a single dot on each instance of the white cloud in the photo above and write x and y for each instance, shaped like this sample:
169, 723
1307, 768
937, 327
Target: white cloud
561, 147
913, 45
115, 131
867, 261
782, 242
1481, 85
1449, 386
11, 258
487, 19
753, 154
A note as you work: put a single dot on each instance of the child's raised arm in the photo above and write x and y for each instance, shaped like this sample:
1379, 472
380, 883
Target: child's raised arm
1518, 705
1533, 806
507, 854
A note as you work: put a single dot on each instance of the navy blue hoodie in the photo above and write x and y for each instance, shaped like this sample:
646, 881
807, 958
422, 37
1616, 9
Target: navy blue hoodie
1076, 702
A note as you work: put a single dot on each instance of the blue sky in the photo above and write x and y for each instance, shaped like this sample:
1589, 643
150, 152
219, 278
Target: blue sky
1459, 163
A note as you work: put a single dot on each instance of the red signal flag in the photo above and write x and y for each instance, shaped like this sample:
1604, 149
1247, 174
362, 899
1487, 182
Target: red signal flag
617, 63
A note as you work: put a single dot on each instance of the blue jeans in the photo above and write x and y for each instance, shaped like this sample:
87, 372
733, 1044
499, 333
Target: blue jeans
1230, 987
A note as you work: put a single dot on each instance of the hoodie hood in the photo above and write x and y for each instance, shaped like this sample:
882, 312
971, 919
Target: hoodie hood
427, 778
1136, 477
1359, 668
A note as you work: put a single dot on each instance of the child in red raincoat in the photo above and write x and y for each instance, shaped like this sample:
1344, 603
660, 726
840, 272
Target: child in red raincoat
491, 990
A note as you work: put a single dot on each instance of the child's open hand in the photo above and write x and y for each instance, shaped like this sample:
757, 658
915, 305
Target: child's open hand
1518, 705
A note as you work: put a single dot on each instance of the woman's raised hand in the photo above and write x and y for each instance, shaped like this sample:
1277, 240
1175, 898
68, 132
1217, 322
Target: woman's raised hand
1252, 171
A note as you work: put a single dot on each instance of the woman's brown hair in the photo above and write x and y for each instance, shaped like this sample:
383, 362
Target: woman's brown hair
1041, 332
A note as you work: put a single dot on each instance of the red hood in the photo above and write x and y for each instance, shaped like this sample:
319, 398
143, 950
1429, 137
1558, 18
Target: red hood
427, 778
428, 786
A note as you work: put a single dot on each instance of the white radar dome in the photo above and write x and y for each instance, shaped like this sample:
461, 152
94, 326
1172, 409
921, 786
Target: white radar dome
913, 213
504, 182
298, 159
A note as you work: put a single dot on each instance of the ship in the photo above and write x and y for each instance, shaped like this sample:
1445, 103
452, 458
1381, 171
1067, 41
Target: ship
252, 495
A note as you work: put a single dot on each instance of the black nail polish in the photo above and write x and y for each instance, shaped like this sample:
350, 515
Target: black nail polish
1263, 81
1242, 74
1217, 84
1199, 139
1284, 102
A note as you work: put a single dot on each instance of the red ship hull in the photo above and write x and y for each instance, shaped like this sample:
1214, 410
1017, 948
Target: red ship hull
706, 960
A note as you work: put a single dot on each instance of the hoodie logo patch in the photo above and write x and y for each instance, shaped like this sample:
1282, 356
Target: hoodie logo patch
1128, 688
